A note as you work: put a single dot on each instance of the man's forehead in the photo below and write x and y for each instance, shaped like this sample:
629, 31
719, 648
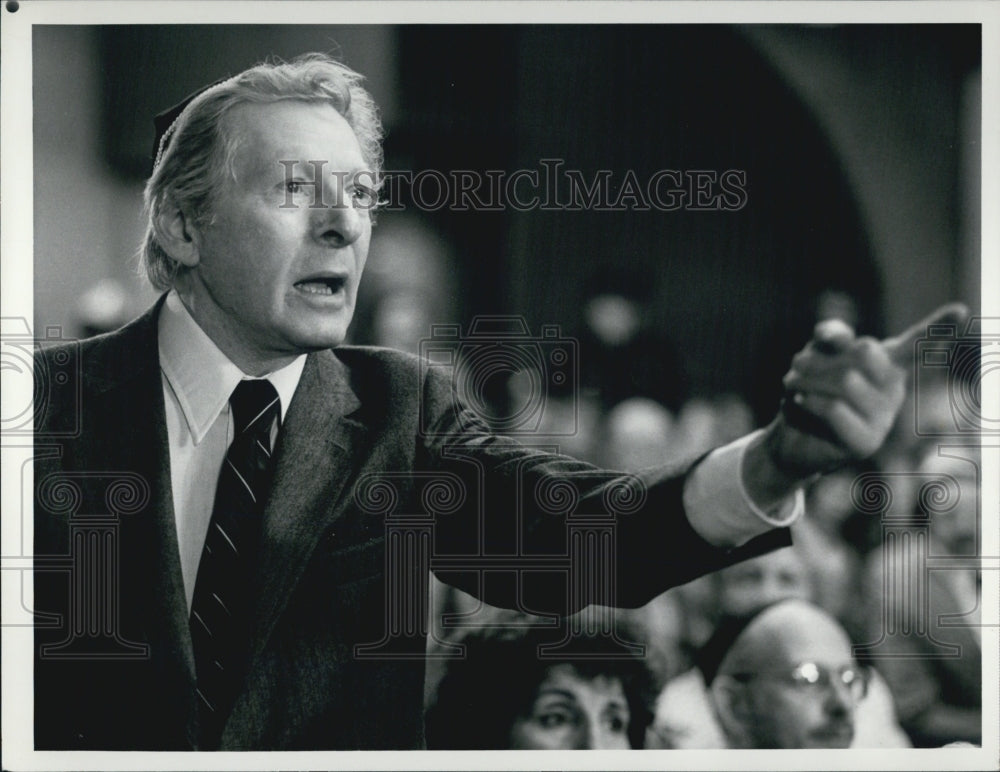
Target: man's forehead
798, 635
294, 130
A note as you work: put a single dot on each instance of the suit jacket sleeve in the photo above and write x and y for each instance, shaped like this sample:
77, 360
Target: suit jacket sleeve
560, 533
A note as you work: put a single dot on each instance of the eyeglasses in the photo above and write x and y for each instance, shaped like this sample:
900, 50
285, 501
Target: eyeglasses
812, 677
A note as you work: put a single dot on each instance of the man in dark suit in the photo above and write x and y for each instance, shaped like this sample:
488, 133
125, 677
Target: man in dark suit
225, 555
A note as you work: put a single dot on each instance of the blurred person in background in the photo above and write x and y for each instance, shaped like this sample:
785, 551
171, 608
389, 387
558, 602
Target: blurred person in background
506, 692
658, 626
704, 423
833, 564
621, 355
637, 433
103, 307
754, 584
409, 285
785, 678
402, 318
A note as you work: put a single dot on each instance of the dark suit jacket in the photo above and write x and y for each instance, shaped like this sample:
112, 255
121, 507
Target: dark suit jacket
370, 454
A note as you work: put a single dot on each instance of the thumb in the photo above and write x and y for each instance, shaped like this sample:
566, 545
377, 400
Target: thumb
900, 347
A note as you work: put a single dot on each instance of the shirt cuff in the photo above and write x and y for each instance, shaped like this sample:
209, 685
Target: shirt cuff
718, 506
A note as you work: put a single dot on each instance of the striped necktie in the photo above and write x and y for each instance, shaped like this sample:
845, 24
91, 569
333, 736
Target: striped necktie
222, 605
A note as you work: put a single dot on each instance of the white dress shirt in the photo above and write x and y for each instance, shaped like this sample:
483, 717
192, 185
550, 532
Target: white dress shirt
198, 380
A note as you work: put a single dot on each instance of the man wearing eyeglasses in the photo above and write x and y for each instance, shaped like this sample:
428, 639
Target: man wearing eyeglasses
787, 680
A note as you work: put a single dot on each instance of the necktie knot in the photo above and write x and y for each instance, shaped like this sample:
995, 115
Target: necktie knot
254, 403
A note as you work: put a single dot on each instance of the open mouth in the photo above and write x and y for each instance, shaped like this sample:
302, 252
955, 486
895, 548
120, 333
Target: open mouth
322, 285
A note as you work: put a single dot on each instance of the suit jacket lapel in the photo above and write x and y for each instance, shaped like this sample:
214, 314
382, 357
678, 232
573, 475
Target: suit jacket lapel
317, 454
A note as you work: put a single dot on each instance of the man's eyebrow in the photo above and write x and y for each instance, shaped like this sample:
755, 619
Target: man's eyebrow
355, 173
287, 165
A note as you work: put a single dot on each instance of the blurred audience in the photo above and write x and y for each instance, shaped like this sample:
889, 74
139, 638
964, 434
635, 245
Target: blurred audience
567, 417
536, 688
104, 306
683, 710
746, 587
409, 284
836, 565
777, 628
638, 433
833, 567
659, 627
706, 423
684, 713
621, 354
932, 658
402, 317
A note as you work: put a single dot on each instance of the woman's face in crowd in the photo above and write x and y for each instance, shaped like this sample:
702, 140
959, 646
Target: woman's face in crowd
573, 712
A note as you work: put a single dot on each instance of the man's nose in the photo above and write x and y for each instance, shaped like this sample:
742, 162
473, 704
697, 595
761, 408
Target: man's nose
839, 698
338, 225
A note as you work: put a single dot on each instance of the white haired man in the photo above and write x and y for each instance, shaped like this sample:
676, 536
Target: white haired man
250, 573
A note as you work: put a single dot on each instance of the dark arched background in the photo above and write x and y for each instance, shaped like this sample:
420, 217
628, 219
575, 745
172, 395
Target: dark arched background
856, 143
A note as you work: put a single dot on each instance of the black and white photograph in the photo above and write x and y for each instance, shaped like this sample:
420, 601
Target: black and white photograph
603, 385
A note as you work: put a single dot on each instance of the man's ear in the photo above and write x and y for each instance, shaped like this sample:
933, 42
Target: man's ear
177, 235
732, 708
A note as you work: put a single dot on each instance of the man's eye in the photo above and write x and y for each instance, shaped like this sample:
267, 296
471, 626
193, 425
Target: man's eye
808, 674
363, 197
617, 724
293, 186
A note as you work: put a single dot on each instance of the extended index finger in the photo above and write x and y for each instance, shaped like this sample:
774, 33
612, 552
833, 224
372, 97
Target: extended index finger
900, 347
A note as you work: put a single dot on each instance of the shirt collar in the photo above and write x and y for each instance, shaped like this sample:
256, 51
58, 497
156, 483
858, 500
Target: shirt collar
201, 376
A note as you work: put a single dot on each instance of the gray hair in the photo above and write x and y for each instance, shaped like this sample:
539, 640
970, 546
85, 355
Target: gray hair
200, 153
